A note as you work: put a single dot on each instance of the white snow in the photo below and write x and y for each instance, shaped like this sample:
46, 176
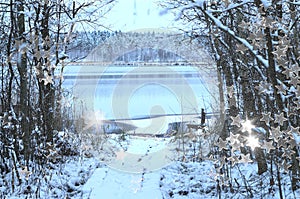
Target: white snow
297, 138
114, 184
190, 180
266, 3
88, 178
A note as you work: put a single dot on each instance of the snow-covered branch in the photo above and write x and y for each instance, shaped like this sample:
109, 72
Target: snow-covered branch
243, 41
232, 6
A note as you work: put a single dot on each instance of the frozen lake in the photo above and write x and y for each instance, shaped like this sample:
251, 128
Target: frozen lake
148, 97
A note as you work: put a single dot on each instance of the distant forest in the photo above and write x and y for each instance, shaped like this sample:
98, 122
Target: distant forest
85, 41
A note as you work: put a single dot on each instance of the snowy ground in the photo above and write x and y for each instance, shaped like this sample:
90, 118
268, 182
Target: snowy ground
164, 183
181, 180
111, 183
90, 178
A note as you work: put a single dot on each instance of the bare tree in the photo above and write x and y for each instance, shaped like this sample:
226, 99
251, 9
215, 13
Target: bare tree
35, 36
255, 45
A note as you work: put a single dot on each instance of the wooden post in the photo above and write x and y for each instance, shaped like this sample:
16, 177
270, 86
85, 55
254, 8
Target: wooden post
202, 117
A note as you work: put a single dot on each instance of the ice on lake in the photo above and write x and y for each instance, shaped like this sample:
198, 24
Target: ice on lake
148, 97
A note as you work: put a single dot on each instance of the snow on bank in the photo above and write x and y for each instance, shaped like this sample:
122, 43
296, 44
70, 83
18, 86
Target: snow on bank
189, 180
197, 180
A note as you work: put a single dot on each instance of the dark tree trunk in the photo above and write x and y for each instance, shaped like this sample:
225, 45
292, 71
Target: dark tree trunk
261, 160
22, 68
272, 71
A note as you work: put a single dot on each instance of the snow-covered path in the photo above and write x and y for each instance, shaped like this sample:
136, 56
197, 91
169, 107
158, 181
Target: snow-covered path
113, 184
133, 174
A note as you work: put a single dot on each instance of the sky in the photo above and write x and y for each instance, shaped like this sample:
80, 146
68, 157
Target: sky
129, 15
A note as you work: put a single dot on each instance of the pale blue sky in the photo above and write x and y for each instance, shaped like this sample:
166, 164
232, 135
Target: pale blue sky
128, 15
